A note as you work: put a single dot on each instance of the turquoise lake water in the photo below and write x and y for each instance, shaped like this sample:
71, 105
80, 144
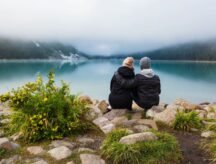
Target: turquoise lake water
193, 81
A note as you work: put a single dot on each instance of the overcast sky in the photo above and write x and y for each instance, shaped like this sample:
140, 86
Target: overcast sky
110, 26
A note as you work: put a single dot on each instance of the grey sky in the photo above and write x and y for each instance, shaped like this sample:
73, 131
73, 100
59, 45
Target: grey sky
110, 26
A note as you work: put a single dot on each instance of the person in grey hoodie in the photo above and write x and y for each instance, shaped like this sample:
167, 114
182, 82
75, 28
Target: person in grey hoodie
146, 85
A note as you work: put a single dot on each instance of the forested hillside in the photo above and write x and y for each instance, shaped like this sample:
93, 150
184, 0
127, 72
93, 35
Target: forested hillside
19, 49
188, 51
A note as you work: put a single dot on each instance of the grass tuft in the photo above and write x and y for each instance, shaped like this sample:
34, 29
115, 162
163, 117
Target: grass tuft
164, 150
186, 121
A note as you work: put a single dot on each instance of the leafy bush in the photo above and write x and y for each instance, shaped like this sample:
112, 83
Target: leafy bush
164, 150
186, 121
45, 111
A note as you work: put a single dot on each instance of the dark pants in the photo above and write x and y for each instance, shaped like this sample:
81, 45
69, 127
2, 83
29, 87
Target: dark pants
142, 104
120, 101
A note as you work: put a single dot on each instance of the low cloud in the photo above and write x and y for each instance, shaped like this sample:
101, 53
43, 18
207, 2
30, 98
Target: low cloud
109, 26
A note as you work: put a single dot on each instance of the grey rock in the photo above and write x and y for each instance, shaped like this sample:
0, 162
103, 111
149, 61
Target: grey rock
129, 123
12, 160
61, 152
3, 140
168, 115
58, 143
103, 105
207, 134
211, 115
108, 128
5, 121
137, 137
104, 124
86, 142
91, 159
85, 149
115, 113
119, 120
6, 144
40, 162
70, 162
93, 113
151, 123
101, 121
85, 99
140, 128
35, 150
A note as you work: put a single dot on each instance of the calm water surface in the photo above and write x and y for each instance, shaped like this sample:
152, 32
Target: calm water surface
193, 81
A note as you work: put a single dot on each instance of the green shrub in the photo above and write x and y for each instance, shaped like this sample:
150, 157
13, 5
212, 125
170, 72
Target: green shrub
186, 121
2, 152
164, 150
45, 111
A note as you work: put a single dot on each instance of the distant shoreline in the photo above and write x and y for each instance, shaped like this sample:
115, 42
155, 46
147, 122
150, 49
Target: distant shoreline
78, 60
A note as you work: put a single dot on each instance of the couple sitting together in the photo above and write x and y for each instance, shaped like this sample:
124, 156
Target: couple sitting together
144, 87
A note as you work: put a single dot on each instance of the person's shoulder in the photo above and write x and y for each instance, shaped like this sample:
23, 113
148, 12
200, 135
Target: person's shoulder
156, 77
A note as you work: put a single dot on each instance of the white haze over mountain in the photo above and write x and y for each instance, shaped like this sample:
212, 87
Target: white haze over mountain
109, 26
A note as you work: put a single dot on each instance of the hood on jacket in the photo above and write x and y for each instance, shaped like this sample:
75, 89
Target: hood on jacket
126, 72
147, 73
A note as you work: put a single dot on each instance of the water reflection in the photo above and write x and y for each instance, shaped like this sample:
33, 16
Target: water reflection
192, 81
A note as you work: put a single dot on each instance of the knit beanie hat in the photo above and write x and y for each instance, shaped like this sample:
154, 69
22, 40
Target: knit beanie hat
128, 62
145, 63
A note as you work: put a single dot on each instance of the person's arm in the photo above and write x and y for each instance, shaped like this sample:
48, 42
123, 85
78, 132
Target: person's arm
159, 87
126, 83
111, 83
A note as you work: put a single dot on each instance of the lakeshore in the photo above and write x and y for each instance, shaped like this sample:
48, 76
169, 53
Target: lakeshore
86, 148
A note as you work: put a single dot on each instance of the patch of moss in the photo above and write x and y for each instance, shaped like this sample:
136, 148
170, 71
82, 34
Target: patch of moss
164, 150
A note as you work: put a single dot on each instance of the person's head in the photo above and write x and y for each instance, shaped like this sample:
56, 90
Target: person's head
145, 63
128, 62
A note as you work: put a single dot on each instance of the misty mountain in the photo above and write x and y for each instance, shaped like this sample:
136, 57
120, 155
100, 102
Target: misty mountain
19, 49
197, 51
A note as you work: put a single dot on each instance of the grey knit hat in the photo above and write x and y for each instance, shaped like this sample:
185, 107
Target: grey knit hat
145, 63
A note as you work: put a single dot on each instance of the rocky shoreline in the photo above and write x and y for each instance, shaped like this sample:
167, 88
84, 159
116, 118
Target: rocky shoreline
85, 149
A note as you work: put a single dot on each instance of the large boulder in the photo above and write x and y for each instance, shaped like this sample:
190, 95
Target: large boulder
91, 159
61, 152
168, 115
137, 137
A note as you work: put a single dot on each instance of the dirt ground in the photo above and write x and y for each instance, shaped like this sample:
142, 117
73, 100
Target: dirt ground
189, 143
